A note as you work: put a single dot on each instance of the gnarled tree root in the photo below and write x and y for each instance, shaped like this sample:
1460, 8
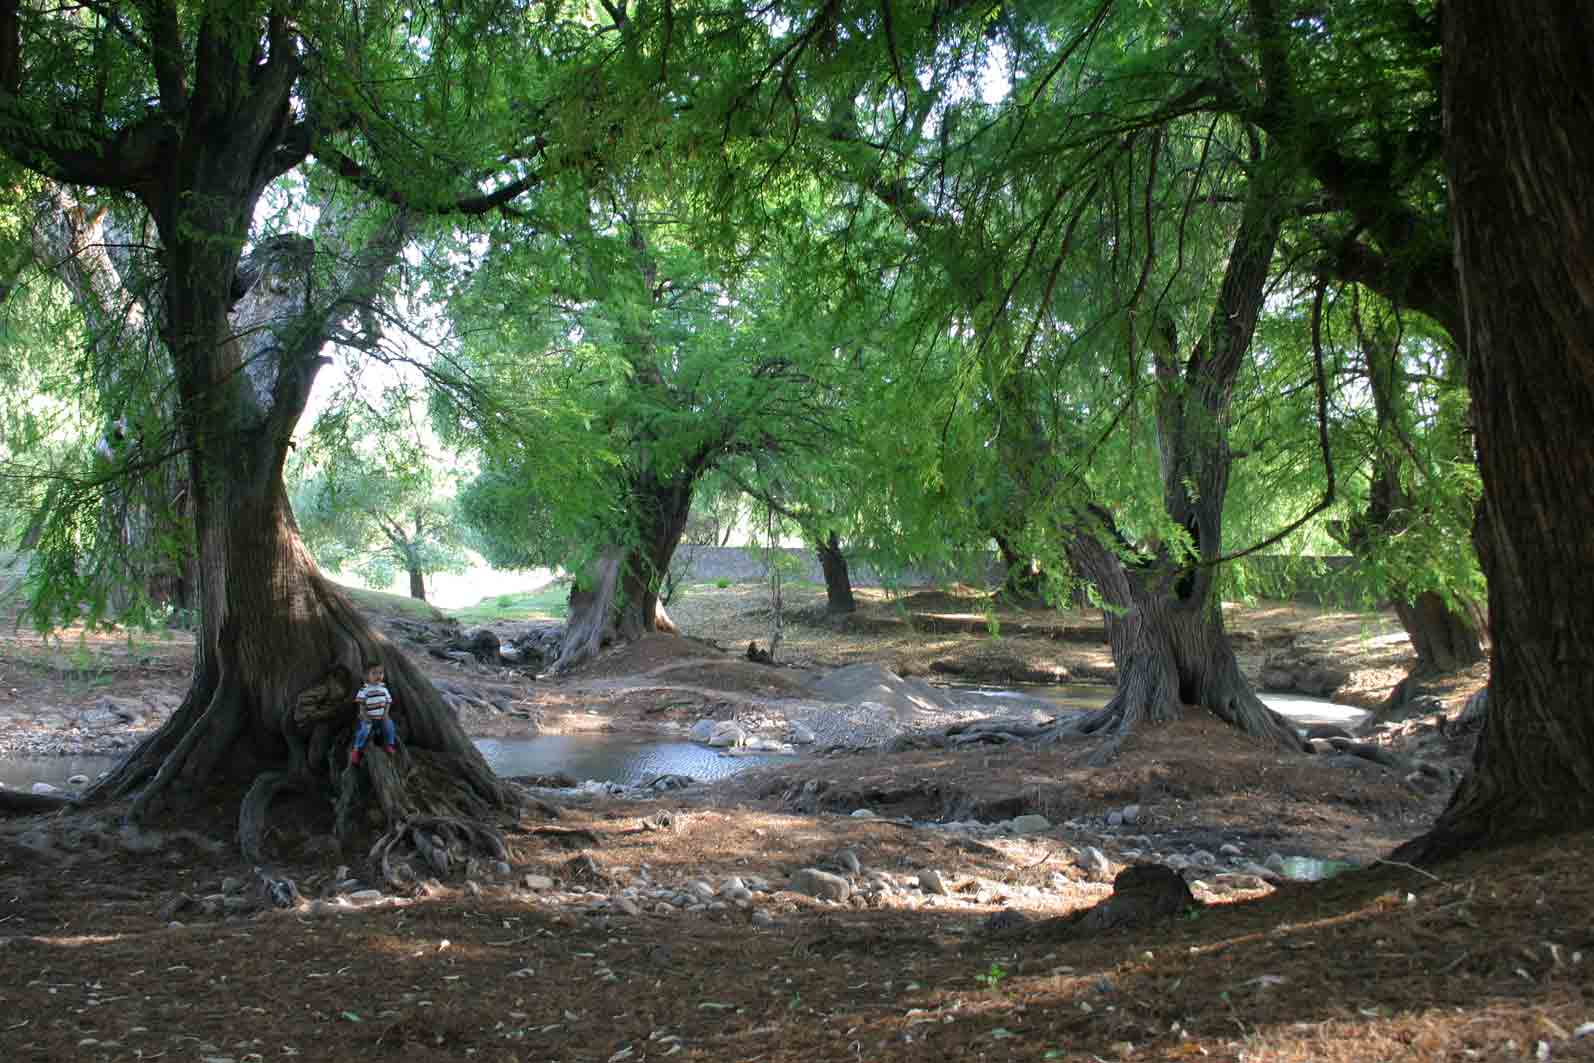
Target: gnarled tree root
252, 812
443, 843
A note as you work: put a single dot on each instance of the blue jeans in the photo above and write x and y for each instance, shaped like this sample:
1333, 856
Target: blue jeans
362, 732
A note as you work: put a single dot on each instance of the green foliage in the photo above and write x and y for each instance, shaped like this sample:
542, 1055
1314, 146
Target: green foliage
992, 978
369, 495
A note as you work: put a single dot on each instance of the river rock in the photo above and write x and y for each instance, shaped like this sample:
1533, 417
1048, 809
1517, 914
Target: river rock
365, 896
727, 734
1293, 670
1131, 814
761, 919
1095, 864
930, 881
821, 884
481, 644
627, 905
763, 744
45, 788
701, 731
864, 813
800, 735
1031, 824
848, 861
1142, 894
537, 882
78, 780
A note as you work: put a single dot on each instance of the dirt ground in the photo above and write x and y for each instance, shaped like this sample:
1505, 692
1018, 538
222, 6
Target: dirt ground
627, 930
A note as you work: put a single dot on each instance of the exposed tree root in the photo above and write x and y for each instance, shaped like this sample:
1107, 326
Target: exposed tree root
257, 802
443, 843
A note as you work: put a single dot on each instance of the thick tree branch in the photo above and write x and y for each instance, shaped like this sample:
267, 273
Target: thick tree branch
166, 53
375, 186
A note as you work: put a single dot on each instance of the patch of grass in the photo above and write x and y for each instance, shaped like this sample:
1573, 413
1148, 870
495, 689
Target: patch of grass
548, 602
381, 603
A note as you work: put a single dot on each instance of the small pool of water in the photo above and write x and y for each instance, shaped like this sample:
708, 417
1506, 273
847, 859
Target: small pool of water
20, 773
627, 760
1314, 869
613, 758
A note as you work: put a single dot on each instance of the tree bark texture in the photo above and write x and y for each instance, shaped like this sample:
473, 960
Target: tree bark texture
417, 584
838, 578
1445, 638
1165, 628
623, 599
1517, 96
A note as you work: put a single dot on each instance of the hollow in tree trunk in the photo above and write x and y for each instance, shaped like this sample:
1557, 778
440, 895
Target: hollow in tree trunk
1522, 202
838, 578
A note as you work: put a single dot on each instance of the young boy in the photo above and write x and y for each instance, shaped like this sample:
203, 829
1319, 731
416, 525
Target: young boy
374, 702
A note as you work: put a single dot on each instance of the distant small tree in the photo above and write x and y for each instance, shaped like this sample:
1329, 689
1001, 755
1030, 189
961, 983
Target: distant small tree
375, 500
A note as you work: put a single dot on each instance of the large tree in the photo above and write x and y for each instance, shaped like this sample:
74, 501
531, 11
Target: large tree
1522, 200
622, 366
193, 111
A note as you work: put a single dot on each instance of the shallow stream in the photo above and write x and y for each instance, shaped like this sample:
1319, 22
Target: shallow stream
624, 759
629, 759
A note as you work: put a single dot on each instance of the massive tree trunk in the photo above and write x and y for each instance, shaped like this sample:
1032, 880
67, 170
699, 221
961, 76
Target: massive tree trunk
838, 578
417, 584
621, 596
280, 650
1445, 638
1165, 626
1522, 199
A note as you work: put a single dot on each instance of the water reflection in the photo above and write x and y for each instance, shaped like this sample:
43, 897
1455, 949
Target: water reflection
611, 758
624, 759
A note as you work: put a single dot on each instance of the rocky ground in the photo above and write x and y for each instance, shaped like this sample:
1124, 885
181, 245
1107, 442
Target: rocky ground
895, 892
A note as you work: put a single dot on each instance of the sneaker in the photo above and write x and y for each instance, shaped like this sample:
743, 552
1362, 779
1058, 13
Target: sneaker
390, 749
354, 757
